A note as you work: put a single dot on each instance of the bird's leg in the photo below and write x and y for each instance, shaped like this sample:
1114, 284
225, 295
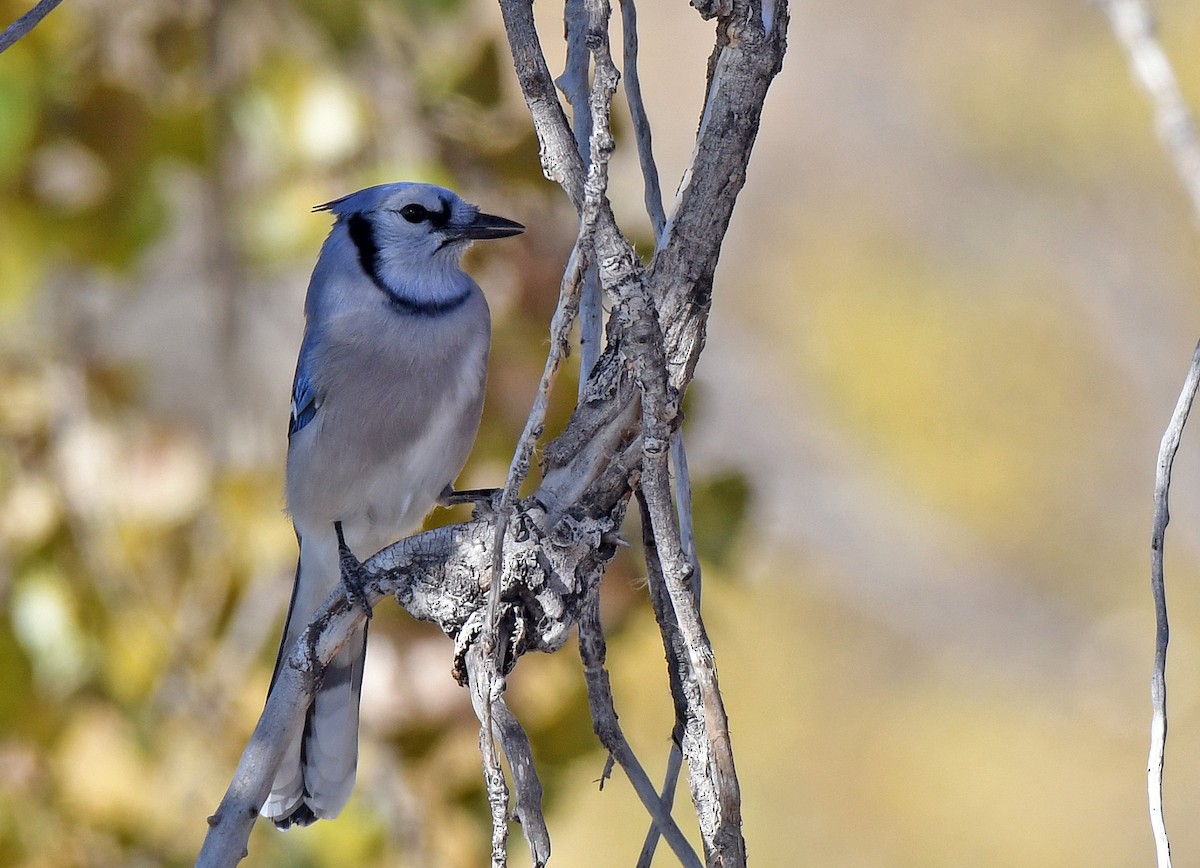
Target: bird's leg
450, 497
354, 575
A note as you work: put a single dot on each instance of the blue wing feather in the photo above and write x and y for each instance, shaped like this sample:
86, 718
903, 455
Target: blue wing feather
305, 402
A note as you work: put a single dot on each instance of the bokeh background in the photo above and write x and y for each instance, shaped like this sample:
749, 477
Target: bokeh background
954, 310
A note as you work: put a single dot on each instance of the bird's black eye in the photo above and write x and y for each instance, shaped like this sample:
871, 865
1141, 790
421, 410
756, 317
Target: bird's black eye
414, 213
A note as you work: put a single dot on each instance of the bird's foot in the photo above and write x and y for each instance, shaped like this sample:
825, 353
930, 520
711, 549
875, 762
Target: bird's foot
481, 496
355, 578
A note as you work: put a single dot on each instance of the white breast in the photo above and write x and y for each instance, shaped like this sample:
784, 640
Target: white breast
398, 419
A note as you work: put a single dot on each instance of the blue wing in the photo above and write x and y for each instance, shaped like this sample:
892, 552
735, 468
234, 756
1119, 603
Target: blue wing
305, 401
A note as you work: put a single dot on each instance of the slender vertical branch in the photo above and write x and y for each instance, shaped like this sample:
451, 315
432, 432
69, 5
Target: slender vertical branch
713, 777
604, 723
515, 743
652, 194
559, 151
715, 789
1133, 25
574, 85
666, 622
1158, 680
491, 686
574, 80
641, 121
749, 53
677, 673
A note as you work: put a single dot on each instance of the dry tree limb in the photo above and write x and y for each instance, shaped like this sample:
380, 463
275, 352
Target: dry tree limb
515, 744
677, 673
31, 19
683, 486
560, 326
715, 789
1133, 25
592, 651
591, 635
1158, 681
574, 84
641, 121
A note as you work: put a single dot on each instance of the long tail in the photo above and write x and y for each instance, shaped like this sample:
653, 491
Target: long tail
317, 773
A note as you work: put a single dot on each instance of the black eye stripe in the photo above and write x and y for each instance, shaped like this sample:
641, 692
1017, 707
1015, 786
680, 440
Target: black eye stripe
362, 235
415, 213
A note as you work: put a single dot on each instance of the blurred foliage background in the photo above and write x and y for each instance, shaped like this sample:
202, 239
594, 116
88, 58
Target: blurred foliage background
954, 310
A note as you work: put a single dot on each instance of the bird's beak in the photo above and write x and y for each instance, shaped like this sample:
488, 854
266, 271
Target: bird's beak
487, 226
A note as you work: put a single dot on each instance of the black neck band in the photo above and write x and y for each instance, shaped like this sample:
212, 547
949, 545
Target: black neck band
363, 237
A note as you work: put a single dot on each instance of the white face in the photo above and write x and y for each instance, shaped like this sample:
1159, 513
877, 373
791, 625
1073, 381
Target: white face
409, 239
421, 225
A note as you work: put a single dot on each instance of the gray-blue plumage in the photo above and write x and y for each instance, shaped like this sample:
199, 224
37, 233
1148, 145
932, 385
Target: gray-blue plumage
385, 406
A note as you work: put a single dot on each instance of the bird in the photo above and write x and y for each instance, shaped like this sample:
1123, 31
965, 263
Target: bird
386, 404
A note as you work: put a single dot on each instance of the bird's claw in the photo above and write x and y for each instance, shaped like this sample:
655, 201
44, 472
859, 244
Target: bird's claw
355, 578
482, 496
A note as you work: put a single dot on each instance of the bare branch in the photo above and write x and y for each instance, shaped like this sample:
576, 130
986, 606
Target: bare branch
683, 486
713, 779
677, 673
574, 85
641, 122
278, 726
608, 730
19, 28
559, 150
748, 56
515, 743
750, 50
574, 80
518, 471
683, 509
1133, 25
1158, 681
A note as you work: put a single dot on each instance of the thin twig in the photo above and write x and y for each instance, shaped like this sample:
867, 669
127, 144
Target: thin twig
493, 772
652, 194
25, 23
641, 121
1133, 24
605, 79
574, 85
677, 673
560, 326
683, 509
667, 798
558, 150
517, 749
518, 469
1158, 681
574, 80
713, 776
715, 787
608, 730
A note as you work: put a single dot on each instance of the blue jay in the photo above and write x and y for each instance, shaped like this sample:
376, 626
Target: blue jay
385, 407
